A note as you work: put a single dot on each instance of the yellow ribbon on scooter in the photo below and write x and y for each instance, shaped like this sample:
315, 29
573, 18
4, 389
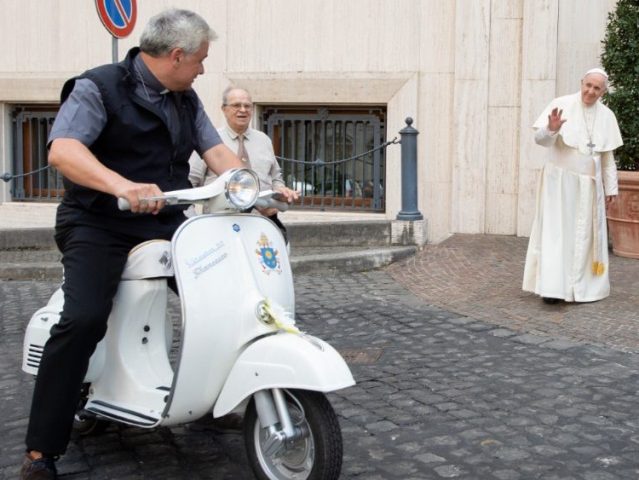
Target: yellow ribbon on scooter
277, 317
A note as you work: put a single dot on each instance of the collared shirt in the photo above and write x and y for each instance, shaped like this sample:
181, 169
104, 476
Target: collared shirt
259, 147
83, 116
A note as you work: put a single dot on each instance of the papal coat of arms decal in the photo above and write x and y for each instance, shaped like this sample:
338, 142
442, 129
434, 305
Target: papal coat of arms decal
268, 256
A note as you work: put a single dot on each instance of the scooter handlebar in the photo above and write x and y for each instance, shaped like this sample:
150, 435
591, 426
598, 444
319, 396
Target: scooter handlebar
266, 198
123, 203
270, 199
282, 206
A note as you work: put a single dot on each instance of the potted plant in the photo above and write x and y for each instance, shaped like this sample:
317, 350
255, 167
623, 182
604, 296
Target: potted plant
620, 59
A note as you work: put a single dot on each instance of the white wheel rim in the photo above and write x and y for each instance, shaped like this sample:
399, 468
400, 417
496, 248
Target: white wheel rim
296, 462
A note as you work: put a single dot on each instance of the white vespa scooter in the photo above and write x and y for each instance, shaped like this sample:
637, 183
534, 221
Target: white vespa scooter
239, 349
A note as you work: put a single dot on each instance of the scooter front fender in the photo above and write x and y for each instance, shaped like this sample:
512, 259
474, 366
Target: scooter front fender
283, 360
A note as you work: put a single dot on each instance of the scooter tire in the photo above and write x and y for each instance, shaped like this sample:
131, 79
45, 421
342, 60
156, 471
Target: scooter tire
317, 457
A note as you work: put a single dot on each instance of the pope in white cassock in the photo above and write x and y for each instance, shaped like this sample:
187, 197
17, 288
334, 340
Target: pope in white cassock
567, 256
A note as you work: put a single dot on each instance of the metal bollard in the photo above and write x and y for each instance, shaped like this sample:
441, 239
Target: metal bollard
409, 209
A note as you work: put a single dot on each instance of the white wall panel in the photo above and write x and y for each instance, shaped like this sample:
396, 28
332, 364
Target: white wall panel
501, 172
472, 47
505, 63
582, 25
436, 94
469, 169
504, 97
323, 35
435, 150
437, 37
539, 69
503, 9
472, 35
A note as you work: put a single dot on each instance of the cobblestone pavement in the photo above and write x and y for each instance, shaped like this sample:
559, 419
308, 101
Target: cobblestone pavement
480, 276
438, 395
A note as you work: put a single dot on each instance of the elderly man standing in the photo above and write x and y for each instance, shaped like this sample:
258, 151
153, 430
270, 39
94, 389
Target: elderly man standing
252, 146
123, 130
567, 255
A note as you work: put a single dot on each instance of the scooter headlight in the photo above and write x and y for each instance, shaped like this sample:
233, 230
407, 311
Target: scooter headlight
242, 189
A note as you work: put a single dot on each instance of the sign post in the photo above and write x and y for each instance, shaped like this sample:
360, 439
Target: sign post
118, 17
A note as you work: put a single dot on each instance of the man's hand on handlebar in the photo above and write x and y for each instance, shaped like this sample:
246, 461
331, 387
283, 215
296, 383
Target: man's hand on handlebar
141, 197
285, 194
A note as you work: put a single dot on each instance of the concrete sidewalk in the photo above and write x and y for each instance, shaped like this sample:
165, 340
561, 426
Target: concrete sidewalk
480, 276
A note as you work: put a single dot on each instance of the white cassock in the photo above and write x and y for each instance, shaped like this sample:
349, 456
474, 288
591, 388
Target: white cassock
567, 254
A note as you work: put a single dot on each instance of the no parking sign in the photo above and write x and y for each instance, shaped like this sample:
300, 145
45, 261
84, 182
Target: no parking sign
118, 16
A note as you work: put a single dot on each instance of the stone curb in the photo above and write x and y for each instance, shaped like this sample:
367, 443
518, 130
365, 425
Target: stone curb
27, 238
31, 271
352, 261
372, 233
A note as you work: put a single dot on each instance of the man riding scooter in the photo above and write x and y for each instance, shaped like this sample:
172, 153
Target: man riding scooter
124, 130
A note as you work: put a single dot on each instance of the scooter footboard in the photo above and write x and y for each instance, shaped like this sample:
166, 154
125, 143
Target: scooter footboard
284, 360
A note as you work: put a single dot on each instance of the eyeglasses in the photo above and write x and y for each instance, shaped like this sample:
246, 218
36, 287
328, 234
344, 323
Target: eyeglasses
239, 106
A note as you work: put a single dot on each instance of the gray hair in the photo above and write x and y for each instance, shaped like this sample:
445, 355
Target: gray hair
229, 89
175, 28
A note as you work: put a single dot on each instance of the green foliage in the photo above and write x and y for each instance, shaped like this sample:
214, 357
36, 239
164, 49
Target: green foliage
620, 59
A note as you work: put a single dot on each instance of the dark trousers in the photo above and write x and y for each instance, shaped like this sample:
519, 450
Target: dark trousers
93, 261
280, 225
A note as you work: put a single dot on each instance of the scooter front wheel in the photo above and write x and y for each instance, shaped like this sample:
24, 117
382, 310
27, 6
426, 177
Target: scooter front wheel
316, 455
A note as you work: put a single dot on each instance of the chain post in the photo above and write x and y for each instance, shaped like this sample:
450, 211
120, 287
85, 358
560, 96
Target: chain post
409, 209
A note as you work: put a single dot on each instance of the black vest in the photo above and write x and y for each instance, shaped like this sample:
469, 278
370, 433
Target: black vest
135, 142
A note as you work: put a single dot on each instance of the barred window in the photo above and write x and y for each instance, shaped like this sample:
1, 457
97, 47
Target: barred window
31, 125
311, 142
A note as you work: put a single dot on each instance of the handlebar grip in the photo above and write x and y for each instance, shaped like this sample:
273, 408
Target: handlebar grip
270, 202
123, 204
281, 206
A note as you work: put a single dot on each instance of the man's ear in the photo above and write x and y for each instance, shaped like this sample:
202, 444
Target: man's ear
176, 56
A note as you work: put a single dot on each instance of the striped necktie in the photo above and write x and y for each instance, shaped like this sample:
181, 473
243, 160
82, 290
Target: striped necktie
241, 150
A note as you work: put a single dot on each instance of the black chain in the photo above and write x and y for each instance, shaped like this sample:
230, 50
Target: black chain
7, 176
322, 162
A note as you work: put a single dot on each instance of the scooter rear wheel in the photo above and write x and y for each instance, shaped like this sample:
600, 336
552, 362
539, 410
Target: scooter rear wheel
316, 456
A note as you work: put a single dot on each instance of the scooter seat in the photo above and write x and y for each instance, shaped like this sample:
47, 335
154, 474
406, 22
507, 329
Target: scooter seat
151, 259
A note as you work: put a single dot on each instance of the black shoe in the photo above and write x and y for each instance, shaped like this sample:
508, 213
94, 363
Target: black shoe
40, 469
551, 301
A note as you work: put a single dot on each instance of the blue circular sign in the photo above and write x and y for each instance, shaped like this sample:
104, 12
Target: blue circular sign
118, 16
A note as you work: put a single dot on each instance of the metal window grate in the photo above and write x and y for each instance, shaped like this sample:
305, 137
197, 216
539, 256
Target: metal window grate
31, 127
310, 143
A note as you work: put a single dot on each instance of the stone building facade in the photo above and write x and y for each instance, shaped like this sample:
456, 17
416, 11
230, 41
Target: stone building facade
473, 74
